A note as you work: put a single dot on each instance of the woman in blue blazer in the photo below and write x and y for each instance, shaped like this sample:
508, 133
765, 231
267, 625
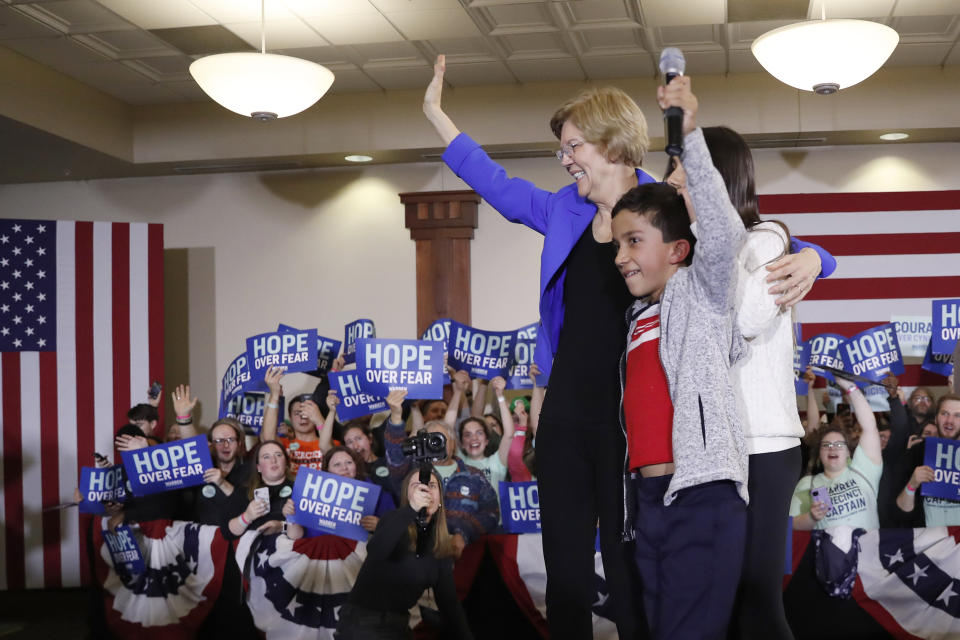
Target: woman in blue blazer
580, 444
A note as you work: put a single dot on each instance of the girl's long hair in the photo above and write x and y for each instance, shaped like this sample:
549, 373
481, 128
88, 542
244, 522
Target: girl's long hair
255, 480
442, 540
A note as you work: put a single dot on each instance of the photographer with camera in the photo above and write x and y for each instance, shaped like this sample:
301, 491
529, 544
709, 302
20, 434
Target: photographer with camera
471, 503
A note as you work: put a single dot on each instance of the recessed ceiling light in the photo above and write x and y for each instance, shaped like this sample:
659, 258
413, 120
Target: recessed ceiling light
357, 158
895, 136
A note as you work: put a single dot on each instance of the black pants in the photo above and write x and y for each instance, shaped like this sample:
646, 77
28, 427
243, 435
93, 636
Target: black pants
357, 623
579, 473
689, 555
759, 608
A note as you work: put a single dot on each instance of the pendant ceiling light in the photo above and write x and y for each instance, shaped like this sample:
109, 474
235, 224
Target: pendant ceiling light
263, 86
825, 56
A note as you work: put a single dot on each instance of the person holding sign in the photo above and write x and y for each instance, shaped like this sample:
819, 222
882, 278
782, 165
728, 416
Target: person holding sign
474, 438
845, 491
937, 511
307, 444
393, 578
603, 138
344, 462
269, 494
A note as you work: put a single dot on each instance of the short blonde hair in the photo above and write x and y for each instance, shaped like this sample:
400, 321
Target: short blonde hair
610, 119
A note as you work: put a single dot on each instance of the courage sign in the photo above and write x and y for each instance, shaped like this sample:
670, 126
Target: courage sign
169, 466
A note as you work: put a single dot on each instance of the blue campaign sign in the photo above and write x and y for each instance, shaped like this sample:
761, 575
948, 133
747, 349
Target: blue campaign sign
169, 466
99, 485
354, 402
415, 365
236, 380
124, 551
332, 503
327, 350
248, 408
946, 325
520, 507
482, 354
295, 350
801, 359
944, 456
439, 331
941, 364
873, 353
825, 352
524, 345
352, 332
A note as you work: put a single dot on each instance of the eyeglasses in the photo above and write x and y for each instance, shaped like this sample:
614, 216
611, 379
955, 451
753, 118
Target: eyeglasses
219, 441
567, 150
833, 445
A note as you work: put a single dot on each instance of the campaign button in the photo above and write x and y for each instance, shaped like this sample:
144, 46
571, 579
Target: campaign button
285, 492
382, 472
208, 491
464, 490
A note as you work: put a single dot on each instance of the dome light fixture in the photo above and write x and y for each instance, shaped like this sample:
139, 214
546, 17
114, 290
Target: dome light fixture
263, 86
897, 135
825, 56
358, 158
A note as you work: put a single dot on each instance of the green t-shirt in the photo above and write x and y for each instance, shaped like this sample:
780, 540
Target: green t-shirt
492, 468
853, 494
940, 512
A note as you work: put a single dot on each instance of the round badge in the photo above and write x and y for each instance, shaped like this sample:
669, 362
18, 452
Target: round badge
285, 492
464, 490
382, 472
294, 446
208, 491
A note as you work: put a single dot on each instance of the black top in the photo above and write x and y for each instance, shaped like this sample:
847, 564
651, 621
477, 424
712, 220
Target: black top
894, 465
393, 578
584, 382
279, 494
208, 504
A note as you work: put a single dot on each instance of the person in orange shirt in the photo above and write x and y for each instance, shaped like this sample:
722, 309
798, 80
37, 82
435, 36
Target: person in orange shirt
312, 436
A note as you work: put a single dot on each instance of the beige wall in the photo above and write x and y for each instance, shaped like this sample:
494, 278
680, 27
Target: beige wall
320, 248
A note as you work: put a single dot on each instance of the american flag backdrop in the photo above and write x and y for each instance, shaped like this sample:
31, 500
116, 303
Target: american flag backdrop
896, 252
81, 336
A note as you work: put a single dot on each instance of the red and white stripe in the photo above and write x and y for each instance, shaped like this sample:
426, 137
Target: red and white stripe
59, 407
896, 252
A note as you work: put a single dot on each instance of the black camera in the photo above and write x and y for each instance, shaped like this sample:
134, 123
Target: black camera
425, 446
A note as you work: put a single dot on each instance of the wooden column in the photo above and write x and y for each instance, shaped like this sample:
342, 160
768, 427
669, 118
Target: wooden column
442, 224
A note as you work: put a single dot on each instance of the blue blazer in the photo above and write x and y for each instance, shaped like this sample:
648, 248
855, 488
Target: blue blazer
561, 217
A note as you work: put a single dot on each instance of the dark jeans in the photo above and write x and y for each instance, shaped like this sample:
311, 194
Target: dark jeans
759, 608
689, 555
356, 623
580, 482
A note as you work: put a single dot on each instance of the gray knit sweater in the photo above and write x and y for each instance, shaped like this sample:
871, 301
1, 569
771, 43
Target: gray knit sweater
699, 340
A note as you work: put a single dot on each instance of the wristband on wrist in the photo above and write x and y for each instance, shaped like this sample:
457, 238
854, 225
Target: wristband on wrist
185, 417
243, 519
271, 405
910, 490
184, 421
501, 399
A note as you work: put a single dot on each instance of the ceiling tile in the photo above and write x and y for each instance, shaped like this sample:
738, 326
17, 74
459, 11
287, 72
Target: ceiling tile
388, 52
546, 70
196, 41
324, 8
354, 28
281, 34
352, 81
664, 13
918, 54
592, 14
620, 66
102, 74
743, 61
321, 55
535, 45
686, 36
468, 48
850, 8
75, 16
751, 10
54, 52
926, 28
436, 23
742, 34
393, 77
460, 75
925, 7
236, 11
391, 6
152, 14
14, 24
600, 41
701, 63
518, 18
163, 68
125, 44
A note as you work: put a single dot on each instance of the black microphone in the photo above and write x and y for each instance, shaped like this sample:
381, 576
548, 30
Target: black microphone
672, 64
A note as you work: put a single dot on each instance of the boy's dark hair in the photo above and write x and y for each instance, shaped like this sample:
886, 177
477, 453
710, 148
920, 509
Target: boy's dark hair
664, 208
303, 397
143, 411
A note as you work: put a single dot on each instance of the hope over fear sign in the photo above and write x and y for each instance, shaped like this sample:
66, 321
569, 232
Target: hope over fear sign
332, 503
483, 354
295, 350
873, 353
169, 466
414, 365
99, 485
944, 456
946, 325
354, 401
520, 507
